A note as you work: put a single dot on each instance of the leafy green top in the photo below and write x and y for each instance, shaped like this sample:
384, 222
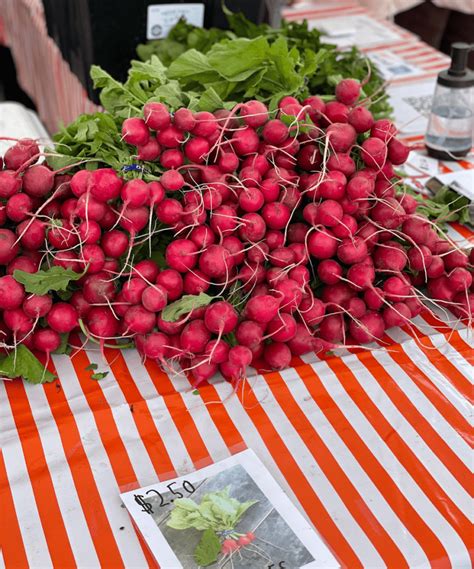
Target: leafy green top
22, 363
42, 282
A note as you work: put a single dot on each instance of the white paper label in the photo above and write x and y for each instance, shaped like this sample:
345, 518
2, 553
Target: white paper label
162, 17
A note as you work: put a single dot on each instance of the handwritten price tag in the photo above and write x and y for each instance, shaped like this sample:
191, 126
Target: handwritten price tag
147, 507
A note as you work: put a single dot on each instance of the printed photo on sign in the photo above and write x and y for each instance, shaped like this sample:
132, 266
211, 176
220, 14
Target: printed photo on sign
230, 514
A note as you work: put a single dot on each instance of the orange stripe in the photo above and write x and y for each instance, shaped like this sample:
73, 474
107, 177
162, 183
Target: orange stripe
429, 389
402, 451
180, 415
303, 490
38, 471
462, 230
13, 549
348, 493
441, 362
81, 472
423, 427
465, 164
455, 339
224, 424
406, 512
141, 414
106, 427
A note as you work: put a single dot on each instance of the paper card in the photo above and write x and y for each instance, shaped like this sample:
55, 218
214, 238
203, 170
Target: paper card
412, 106
196, 520
359, 30
392, 66
162, 17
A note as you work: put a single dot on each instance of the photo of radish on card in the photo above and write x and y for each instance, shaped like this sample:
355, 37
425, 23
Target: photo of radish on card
231, 514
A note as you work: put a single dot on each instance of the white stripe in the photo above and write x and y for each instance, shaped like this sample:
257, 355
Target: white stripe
349, 527
425, 407
161, 416
127, 541
326, 493
436, 378
373, 498
454, 357
450, 539
126, 426
64, 488
409, 435
199, 412
34, 540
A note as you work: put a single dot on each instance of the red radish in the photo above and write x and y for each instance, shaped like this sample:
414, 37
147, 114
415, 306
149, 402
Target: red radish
374, 152
228, 546
93, 258
105, 185
240, 356
154, 298
172, 158
216, 261
10, 183
32, 234
397, 151
332, 328
419, 258
390, 256
383, 129
206, 124
172, 180
38, 180
220, 317
196, 149
195, 282
303, 342
275, 131
336, 112
361, 119
194, 337
235, 247
245, 141
342, 162
46, 340
134, 219
8, 246
217, 351
329, 213
368, 328
184, 120
157, 116
87, 207
172, 281
276, 215
155, 346
249, 333
114, 243
135, 131
101, 322
252, 228
460, 279
133, 289
352, 250
35, 306
341, 136
20, 153
317, 107
228, 162
139, 320
170, 137
262, 308
81, 182
19, 207
322, 244
135, 193
455, 258
251, 199
149, 151
396, 315
277, 355
396, 289
98, 288
254, 113
329, 271
348, 91
89, 231
203, 236
355, 307
62, 317
282, 328
12, 293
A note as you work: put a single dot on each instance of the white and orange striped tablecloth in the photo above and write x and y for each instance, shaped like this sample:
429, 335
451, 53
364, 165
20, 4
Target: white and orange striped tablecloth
374, 447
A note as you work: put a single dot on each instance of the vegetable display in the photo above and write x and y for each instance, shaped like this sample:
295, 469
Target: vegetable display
269, 234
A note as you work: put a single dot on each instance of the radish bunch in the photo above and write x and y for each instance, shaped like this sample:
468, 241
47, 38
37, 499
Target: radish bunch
291, 222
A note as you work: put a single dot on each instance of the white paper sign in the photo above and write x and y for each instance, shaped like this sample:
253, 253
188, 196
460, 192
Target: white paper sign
392, 66
236, 509
162, 17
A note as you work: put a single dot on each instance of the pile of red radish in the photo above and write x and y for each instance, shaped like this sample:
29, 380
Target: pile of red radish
291, 223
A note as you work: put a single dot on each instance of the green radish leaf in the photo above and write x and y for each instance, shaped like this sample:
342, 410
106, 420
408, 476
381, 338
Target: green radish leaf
41, 282
99, 375
91, 367
23, 363
64, 347
188, 302
207, 549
